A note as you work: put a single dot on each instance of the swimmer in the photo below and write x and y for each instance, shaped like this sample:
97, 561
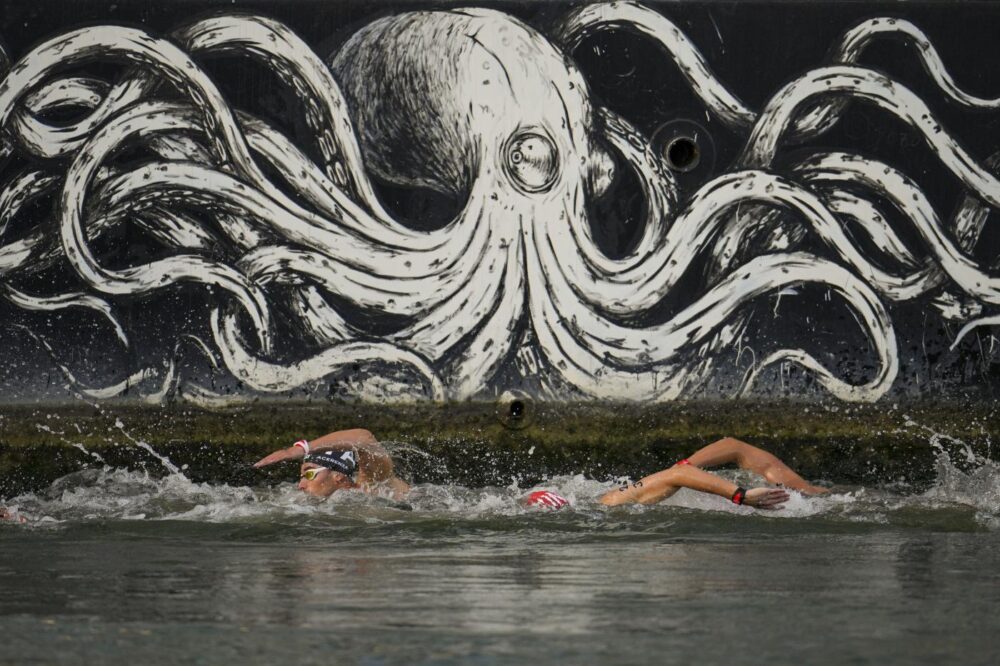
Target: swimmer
690, 473
354, 460
342, 460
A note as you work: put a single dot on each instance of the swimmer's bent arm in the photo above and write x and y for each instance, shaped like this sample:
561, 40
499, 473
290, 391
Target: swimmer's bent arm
373, 460
663, 484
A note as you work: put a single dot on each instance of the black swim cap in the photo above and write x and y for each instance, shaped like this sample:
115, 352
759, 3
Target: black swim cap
338, 461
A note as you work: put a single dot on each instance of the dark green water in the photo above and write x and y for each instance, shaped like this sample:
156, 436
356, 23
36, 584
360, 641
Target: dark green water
115, 567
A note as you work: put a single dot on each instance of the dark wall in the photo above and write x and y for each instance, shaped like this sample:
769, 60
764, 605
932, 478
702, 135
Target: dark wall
211, 200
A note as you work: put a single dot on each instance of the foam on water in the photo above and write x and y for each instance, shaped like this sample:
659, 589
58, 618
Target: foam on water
967, 487
105, 493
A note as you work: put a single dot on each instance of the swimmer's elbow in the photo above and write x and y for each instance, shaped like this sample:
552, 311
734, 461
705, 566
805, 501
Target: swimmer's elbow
608, 499
615, 498
357, 437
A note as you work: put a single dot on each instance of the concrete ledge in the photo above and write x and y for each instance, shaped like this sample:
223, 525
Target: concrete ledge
477, 444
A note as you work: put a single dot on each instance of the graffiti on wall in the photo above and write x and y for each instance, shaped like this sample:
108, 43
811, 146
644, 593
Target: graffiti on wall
264, 250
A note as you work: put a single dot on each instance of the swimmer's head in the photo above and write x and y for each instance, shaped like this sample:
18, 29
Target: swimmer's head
325, 472
546, 499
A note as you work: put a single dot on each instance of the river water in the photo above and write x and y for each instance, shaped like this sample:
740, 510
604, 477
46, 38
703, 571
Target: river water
123, 567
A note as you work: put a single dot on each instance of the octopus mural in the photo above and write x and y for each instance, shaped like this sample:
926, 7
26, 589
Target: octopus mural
307, 275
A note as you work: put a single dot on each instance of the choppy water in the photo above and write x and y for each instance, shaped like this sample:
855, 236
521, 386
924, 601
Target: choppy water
117, 566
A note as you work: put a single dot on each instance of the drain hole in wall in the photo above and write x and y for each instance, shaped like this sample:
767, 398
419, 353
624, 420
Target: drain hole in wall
683, 154
515, 410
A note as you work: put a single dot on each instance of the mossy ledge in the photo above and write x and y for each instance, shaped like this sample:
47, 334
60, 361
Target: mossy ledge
480, 443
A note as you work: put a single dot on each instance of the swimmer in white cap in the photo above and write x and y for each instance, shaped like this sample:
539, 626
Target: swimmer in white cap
342, 460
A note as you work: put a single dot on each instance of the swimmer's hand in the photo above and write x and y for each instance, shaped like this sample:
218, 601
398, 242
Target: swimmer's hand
766, 498
281, 455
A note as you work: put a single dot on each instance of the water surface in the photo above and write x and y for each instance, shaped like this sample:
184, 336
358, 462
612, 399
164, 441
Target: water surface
118, 566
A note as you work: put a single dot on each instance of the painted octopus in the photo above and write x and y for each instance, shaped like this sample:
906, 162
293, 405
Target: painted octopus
477, 105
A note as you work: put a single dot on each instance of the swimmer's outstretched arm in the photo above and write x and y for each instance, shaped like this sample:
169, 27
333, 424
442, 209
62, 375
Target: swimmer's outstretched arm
663, 484
373, 460
731, 450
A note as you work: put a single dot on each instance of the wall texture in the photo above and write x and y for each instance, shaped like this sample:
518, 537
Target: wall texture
206, 201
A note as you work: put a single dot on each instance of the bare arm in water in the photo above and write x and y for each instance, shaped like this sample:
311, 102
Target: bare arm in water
663, 484
374, 462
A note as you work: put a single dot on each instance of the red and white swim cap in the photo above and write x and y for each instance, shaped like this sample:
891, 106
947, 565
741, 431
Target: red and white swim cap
547, 498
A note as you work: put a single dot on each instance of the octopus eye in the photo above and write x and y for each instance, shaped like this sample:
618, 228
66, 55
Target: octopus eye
532, 161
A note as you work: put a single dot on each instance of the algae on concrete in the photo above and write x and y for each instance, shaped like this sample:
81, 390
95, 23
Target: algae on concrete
480, 443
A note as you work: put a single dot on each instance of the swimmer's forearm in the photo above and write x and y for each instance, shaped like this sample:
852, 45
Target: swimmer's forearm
659, 486
345, 439
689, 476
342, 440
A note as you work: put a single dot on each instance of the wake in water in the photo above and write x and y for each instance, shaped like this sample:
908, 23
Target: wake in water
959, 499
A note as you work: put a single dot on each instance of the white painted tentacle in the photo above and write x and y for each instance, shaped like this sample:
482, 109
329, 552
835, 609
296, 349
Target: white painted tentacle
319, 320
903, 193
659, 190
633, 290
183, 148
871, 86
37, 250
306, 179
407, 294
214, 116
993, 320
299, 67
204, 398
51, 141
494, 340
63, 301
970, 218
611, 342
79, 92
596, 355
156, 274
401, 297
266, 377
307, 229
865, 216
172, 228
439, 321
178, 147
741, 237
22, 190
442, 326
580, 23
370, 267
602, 345
104, 393
852, 45
857, 39
693, 232
972, 214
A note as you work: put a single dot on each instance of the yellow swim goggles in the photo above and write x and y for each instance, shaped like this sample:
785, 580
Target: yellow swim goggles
311, 473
